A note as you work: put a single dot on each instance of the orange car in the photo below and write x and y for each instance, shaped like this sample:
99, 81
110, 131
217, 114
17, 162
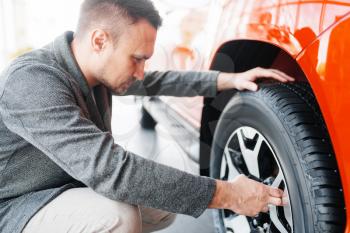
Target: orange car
292, 136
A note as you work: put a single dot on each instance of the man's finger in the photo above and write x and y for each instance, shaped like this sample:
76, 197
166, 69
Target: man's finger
267, 73
275, 192
289, 78
265, 209
271, 74
275, 201
285, 201
251, 86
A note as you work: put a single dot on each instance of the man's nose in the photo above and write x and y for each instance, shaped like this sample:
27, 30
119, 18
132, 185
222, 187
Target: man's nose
140, 71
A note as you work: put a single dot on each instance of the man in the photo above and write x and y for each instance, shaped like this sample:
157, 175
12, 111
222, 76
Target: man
61, 170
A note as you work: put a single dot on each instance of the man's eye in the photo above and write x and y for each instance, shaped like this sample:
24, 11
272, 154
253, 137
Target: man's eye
138, 60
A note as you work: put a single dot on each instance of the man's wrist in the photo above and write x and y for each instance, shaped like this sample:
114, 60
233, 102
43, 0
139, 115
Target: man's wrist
225, 81
216, 201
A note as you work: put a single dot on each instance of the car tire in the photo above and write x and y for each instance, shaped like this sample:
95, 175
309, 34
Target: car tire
147, 121
295, 144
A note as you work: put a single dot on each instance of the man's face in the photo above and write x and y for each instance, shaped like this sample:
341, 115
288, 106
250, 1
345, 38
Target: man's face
121, 64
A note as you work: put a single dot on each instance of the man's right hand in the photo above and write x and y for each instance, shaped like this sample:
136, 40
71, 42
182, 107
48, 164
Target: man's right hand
245, 196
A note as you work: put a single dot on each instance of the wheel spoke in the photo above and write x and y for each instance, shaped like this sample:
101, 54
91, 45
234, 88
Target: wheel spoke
223, 168
276, 221
278, 180
287, 210
250, 156
232, 171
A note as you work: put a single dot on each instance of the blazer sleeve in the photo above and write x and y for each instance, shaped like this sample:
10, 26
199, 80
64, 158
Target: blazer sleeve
38, 106
176, 83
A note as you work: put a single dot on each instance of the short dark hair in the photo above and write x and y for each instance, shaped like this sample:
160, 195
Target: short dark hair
114, 15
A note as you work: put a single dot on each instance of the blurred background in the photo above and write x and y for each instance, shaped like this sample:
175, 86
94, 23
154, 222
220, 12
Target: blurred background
28, 24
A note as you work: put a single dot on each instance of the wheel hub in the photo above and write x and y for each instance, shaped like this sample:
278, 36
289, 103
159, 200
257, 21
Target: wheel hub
248, 152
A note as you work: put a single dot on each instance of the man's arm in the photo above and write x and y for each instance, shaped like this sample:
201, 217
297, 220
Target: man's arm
192, 83
37, 104
176, 83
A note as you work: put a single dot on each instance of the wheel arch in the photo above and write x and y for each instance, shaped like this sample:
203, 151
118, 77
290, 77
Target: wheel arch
239, 56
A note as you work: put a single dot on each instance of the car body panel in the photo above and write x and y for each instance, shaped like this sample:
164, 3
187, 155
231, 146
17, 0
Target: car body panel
315, 33
326, 64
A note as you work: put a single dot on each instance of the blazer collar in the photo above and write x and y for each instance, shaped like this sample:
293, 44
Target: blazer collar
66, 59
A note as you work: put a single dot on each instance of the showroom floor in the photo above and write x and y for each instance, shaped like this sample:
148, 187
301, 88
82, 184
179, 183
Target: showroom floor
159, 146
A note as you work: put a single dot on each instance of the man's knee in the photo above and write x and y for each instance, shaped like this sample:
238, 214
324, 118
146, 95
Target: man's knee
167, 220
113, 216
127, 221
82, 208
154, 219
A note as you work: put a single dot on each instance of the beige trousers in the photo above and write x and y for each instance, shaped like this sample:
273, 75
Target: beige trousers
81, 210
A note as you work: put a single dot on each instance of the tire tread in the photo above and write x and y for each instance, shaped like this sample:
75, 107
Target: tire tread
296, 105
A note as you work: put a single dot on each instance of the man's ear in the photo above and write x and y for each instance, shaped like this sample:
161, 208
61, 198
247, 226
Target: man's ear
99, 40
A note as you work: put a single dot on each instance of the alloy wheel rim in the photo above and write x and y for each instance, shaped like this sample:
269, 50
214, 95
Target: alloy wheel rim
248, 152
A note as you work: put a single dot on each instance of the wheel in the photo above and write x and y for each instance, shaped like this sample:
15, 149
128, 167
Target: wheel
147, 121
277, 136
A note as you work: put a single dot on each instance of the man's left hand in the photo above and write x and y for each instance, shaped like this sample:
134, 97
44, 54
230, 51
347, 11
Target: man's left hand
246, 80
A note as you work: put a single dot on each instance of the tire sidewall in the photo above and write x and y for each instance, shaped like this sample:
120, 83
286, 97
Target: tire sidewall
251, 109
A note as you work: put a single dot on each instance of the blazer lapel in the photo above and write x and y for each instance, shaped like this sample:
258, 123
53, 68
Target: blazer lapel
94, 113
103, 99
65, 57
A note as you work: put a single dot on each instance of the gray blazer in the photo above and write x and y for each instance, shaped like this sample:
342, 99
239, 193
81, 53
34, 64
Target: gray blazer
54, 136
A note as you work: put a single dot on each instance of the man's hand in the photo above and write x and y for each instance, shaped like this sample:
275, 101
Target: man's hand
246, 80
245, 196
